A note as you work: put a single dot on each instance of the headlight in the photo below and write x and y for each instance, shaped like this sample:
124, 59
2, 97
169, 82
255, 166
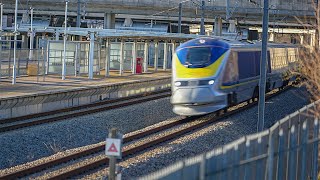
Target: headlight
211, 82
177, 83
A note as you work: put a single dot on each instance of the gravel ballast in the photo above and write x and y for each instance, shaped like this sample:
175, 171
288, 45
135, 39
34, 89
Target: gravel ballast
215, 135
28, 144
93, 129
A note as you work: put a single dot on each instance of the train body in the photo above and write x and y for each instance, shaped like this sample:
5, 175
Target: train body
209, 74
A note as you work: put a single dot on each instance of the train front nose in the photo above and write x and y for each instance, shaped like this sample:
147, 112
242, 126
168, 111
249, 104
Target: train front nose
197, 101
192, 95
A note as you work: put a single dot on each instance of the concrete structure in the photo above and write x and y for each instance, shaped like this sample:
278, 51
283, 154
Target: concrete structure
36, 97
244, 10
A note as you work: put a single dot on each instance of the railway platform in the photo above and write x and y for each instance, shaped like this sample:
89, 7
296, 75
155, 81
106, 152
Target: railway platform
36, 94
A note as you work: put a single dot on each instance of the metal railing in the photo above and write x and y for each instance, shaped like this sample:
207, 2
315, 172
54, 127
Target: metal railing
24, 64
288, 150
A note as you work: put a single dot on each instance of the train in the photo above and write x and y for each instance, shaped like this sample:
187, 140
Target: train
211, 74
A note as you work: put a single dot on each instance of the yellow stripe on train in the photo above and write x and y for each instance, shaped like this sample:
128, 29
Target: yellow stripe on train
184, 72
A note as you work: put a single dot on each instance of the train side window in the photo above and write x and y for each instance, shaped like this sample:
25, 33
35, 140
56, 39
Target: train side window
231, 73
247, 64
292, 55
279, 59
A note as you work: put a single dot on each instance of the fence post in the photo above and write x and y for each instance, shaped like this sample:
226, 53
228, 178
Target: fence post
224, 169
247, 169
304, 145
269, 174
203, 167
236, 162
281, 155
315, 150
259, 162
292, 153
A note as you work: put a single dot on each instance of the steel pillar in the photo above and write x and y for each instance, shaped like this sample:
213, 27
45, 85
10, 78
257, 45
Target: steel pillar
263, 67
146, 56
156, 55
78, 14
64, 69
15, 43
76, 59
121, 57
109, 21
232, 26
1, 24
134, 57
180, 14
301, 39
107, 64
57, 35
24, 44
227, 10
202, 28
1, 20
91, 56
173, 48
217, 26
165, 55
31, 35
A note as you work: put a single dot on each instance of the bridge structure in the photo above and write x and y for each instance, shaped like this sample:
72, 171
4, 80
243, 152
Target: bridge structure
283, 12
124, 32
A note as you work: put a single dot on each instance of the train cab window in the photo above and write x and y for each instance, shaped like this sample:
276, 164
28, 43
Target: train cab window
198, 56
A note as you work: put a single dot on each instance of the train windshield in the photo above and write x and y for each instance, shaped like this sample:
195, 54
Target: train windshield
199, 56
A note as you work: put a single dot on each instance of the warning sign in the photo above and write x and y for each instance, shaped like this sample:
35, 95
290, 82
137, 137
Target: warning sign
113, 147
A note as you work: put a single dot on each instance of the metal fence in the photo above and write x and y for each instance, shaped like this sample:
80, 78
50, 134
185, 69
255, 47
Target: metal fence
28, 62
288, 150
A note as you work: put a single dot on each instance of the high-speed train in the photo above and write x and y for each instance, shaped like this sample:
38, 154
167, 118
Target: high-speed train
210, 74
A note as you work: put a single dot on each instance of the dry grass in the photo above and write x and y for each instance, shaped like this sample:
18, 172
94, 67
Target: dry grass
309, 64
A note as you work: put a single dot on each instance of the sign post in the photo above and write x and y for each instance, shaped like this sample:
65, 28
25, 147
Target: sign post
113, 151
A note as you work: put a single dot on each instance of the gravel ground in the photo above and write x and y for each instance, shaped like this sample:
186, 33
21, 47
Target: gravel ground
32, 143
206, 139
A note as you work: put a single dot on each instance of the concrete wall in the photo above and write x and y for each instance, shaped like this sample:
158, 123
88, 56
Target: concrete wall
44, 102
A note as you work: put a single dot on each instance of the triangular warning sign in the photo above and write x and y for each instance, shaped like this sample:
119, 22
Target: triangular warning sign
112, 148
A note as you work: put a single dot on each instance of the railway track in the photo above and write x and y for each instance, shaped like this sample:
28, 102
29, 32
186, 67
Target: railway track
173, 130
59, 115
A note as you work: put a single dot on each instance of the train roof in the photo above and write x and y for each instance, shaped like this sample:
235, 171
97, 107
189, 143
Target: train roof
231, 43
